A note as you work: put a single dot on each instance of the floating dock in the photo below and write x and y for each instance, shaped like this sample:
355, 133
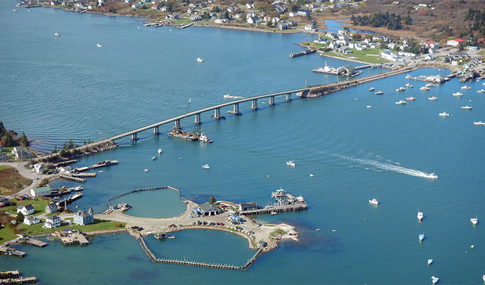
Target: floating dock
13, 277
12, 252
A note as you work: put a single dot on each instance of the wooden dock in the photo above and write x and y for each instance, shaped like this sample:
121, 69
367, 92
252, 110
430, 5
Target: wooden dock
12, 252
71, 178
84, 175
34, 242
277, 209
75, 238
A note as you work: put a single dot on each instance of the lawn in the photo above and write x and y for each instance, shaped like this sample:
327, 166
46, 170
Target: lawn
39, 206
369, 56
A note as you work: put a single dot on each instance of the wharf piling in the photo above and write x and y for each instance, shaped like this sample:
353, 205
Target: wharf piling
84, 175
277, 209
71, 178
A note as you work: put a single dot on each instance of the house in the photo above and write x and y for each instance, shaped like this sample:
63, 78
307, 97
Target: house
38, 168
52, 222
134, 6
292, 14
282, 26
431, 44
40, 192
220, 21
454, 42
154, 7
333, 45
31, 220
472, 48
83, 218
344, 50
309, 27
248, 206
25, 210
253, 20
332, 36
405, 53
4, 202
209, 209
303, 13
249, 6
50, 208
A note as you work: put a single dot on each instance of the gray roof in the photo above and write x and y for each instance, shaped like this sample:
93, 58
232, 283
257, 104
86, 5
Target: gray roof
52, 218
207, 207
82, 213
29, 207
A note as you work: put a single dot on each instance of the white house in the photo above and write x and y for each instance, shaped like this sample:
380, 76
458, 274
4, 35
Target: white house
405, 53
253, 20
454, 42
32, 220
52, 222
303, 13
220, 21
38, 168
50, 208
25, 210
40, 192
309, 27
249, 6
389, 55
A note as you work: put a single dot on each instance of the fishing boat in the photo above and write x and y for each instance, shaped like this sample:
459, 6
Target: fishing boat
206, 166
371, 89
433, 98
410, 98
400, 102
400, 89
374, 201
466, 87
203, 138
444, 114
421, 237
467, 107
420, 216
379, 93
434, 279
430, 261
159, 151
479, 123
474, 220
290, 163
200, 59
457, 94
424, 88
99, 45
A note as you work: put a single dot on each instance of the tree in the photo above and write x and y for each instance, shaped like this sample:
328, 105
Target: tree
23, 140
212, 200
20, 218
263, 7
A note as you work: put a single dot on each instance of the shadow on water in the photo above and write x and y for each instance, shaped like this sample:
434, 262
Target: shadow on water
144, 274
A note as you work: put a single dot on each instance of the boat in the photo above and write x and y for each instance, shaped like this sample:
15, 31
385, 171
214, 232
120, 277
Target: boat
227, 96
146, 169
14, 10
379, 93
472, 246
481, 91
444, 114
479, 123
430, 261
161, 235
408, 85
433, 98
180, 27
408, 76
466, 87
159, 151
368, 107
371, 89
200, 59
458, 94
206, 166
203, 138
305, 52
400, 89
434, 279
421, 237
401, 102
483, 277
273, 213
474, 220
430, 85
177, 132
374, 201
410, 98
290, 163
420, 216
432, 176
424, 88
99, 45
318, 230
467, 107
311, 175
153, 158
57, 35
439, 69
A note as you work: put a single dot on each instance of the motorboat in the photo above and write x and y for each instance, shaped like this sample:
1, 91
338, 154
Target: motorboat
154, 158
227, 96
203, 138
483, 277
200, 59
401, 102
466, 87
206, 166
430, 85
374, 201
146, 169
420, 216
467, 107
291, 163
14, 10
435, 279
318, 230
479, 123
368, 107
379, 93
424, 88
410, 98
444, 114
409, 85
57, 35
371, 89
159, 151
430, 261
432, 176
400, 89
481, 91
311, 175
99, 45
433, 98
458, 94
474, 220
421, 237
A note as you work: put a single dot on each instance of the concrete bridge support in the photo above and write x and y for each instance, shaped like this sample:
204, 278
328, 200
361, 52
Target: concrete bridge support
288, 97
134, 137
235, 110
156, 130
217, 114
254, 104
271, 101
197, 119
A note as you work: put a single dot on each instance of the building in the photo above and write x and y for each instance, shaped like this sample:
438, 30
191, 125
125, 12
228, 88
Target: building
309, 27
454, 42
209, 209
4, 202
248, 206
40, 192
50, 208
52, 222
25, 210
83, 218
31, 220
19, 153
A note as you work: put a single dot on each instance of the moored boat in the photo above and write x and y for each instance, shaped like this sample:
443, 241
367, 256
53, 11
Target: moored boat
433, 98
200, 59
420, 216
57, 35
421, 237
479, 123
400, 89
466, 87
434, 279
457, 94
371, 89
401, 102
206, 166
159, 151
374, 201
481, 91
467, 107
410, 98
99, 45
474, 220
424, 88
379, 93
444, 114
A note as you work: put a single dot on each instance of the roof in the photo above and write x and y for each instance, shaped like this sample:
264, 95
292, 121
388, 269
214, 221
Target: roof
429, 42
29, 207
457, 40
41, 189
51, 218
208, 207
82, 213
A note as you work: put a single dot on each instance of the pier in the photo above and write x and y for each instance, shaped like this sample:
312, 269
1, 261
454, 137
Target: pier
12, 252
34, 242
71, 178
13, 277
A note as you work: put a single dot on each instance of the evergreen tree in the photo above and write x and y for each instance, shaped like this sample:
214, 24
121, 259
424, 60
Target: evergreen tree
19, 218
212, 200
23, 140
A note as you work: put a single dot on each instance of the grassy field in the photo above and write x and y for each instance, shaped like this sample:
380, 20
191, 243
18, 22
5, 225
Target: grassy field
12, 181
369, 56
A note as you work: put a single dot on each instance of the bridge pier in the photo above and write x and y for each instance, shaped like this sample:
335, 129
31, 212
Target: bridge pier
197, 119
177, 124
235, 110
156, 130
254, 104
288, 97
217, 114
271, 101
134, 137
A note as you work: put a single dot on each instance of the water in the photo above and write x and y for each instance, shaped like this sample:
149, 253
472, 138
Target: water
57, 88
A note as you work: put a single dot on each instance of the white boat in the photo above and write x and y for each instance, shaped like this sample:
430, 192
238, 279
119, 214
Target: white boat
410, 98
409, 85
291, 163
481, 91
318, 230
467, 107
466, 87
146, 169
371, 89
444, 114
206, 166
99, 45
311, 175
400, 89
379, 93
421, 237
432, 175
159, 151
368, 107
458, 94
153, 158
420, 216
203, 138
401, 102
479, 123
14, 10
227, 96
433, 98
374, 201
424, 88
434, 279
200, 59
430, 261
57, 35
474, 220
483, 277
430, 85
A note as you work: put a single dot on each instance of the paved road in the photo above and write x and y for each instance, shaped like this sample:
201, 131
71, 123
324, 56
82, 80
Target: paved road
25, 172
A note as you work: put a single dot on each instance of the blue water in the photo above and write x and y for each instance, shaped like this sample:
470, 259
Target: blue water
57, 88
